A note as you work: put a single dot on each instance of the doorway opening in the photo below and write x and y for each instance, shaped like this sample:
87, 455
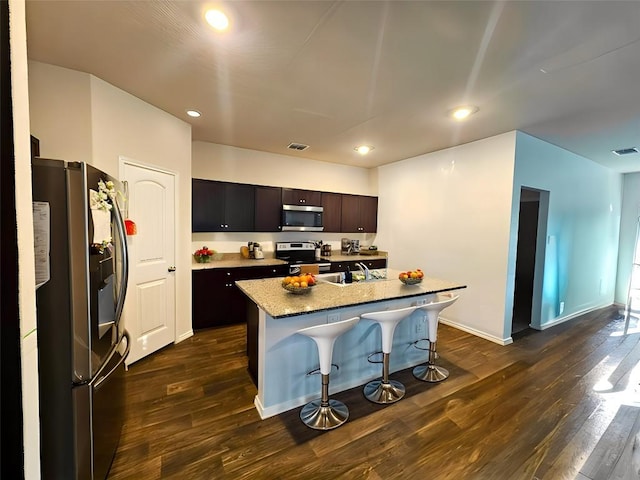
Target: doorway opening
532, 233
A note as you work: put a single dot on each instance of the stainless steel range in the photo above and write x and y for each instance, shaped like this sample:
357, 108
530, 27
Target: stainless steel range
299, 254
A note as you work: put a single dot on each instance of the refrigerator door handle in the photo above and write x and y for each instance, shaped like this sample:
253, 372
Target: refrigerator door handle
125, 261
99, 376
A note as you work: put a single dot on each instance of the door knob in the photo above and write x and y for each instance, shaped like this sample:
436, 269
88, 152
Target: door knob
172, 268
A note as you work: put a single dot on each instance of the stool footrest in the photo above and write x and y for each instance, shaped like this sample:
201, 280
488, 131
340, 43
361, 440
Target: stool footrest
415, 344
372, 354
317, 370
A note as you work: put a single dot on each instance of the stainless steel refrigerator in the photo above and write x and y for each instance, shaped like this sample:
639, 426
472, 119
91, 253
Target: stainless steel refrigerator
81, 276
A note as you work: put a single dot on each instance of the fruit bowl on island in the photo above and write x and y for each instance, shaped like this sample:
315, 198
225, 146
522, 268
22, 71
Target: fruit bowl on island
299, 285
412, 277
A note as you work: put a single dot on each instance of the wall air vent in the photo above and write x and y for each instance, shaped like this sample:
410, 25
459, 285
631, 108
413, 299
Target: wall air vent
626, 151
297, 146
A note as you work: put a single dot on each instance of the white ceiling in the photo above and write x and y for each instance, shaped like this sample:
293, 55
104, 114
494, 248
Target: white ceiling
337, 74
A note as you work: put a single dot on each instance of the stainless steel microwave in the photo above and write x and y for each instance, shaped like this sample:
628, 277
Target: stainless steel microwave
301, 218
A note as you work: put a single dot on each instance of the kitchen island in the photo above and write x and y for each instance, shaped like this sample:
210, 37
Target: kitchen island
279, 359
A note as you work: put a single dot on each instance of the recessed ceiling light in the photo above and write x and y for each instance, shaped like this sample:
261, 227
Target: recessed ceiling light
363, 149
193, 113
463, 112
217, 19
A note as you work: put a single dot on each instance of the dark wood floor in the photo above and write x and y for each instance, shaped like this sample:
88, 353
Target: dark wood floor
535, 409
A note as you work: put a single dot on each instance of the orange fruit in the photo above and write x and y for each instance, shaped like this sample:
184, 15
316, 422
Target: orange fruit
303, 285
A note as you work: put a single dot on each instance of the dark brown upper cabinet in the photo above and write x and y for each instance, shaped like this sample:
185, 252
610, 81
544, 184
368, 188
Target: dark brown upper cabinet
332, 211
359, 214
268, 210
222, 206
292, 196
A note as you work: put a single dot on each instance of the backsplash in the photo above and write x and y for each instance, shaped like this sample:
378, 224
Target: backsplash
231, 242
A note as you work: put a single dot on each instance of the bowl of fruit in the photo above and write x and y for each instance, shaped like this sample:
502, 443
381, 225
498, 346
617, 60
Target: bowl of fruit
411, 277
299, 285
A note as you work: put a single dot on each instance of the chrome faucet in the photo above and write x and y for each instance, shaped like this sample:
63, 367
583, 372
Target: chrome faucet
365, 270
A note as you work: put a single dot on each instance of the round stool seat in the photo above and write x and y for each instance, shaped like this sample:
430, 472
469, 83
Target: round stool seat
384, 390
326, 414
431, 372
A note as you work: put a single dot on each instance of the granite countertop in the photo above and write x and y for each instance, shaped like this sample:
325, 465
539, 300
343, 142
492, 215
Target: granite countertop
235, 260
277, 302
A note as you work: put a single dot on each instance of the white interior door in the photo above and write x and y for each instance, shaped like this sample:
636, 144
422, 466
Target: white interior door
150, 313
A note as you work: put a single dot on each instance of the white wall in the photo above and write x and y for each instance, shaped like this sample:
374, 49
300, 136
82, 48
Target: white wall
120, 125
449, 214
61, 111
231, 164
628, 225
124, 125
24, 220
582, 228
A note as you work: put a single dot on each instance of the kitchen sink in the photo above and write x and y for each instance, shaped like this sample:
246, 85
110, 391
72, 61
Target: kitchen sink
337, 278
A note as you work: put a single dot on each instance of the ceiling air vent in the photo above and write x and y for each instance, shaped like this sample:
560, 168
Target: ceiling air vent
626, 151
297, 146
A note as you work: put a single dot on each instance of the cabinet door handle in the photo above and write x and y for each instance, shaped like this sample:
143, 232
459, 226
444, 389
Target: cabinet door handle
172, 268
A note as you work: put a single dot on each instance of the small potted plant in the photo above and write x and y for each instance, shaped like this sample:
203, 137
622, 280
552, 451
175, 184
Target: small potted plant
203, 255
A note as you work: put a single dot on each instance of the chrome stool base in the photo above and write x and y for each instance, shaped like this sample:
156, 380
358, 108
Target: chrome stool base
430, 373
381, 392
324, 417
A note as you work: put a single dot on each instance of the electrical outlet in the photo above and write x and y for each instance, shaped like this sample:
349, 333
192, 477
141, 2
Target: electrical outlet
561, 307
421, 301
333, 317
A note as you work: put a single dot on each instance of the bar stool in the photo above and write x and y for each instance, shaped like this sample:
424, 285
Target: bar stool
325, 414
384, 390
431, 372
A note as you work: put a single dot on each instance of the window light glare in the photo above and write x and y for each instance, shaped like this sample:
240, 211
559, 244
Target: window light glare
193, 113
217, 19
462, 113
363, 149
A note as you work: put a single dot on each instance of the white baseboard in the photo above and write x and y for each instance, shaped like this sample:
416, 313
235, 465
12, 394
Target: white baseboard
477, 333
184, 336
566, 318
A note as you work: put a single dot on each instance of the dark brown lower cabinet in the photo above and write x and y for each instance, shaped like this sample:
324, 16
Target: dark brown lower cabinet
217, 301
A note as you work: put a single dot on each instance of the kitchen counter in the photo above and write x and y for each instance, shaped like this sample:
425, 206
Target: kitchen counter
235, 260
279, 359
277, 302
